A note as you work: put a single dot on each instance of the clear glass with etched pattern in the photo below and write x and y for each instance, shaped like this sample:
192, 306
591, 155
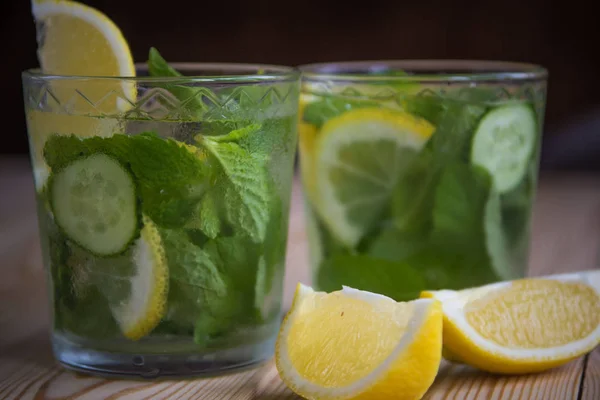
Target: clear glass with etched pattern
163, 210
419, 175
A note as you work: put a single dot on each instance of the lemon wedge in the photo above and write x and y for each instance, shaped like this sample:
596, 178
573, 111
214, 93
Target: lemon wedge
522, 326
353, 344
358, 158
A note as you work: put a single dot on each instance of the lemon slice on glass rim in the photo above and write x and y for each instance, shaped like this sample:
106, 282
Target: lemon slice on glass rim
77, 40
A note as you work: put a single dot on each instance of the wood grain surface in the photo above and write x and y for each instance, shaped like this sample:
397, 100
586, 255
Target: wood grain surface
566, 237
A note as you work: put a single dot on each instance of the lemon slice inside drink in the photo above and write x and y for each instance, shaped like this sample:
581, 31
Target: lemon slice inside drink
359, 157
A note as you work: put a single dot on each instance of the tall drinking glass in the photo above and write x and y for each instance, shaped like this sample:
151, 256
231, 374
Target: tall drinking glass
163, 210
419, 174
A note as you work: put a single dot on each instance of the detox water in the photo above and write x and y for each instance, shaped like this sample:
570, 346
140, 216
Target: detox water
164, 225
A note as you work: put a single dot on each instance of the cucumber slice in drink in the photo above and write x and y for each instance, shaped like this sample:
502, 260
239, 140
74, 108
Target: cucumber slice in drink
503, 144
94, 203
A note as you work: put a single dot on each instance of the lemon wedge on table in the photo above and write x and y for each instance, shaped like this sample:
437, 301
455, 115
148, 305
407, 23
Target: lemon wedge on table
524, 325
358, 158
75, 39
353, 344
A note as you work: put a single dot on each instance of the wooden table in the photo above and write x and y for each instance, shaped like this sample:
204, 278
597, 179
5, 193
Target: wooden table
566, 237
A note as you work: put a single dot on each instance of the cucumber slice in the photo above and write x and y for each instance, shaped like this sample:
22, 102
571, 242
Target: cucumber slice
503, 144
94, 203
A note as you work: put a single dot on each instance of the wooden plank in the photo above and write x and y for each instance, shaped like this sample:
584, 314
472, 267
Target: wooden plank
458, 382
591, 381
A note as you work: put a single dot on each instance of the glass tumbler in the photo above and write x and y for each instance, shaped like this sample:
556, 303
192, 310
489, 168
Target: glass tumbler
419, 175
163, 210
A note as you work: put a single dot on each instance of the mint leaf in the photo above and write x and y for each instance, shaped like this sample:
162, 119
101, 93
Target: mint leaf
414, 195
212, 287
467, 236
236, 135
243, 187
239, 263
443, 268
320, 111
158, 66
394, 245
192, 266
396, 280
171, 178
157, 162
274, 146
459, 207
426, 105
237, 260
452, 137
433, 106
60, 150
189, 97
206, 217
199, 292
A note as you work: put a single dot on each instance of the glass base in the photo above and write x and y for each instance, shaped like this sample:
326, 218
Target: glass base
209, 363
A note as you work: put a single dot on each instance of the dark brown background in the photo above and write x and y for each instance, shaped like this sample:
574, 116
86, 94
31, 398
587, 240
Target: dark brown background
564, 37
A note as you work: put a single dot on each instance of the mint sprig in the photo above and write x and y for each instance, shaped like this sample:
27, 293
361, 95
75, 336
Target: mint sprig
190, 98
242, 187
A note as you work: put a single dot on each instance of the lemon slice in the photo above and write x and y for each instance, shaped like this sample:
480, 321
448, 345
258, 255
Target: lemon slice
524, 325
307, 135
138, 314
75, 39
352, 344
359, 157
78, 40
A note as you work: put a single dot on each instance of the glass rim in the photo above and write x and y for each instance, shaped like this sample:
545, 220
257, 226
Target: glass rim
240, 73
426, 70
